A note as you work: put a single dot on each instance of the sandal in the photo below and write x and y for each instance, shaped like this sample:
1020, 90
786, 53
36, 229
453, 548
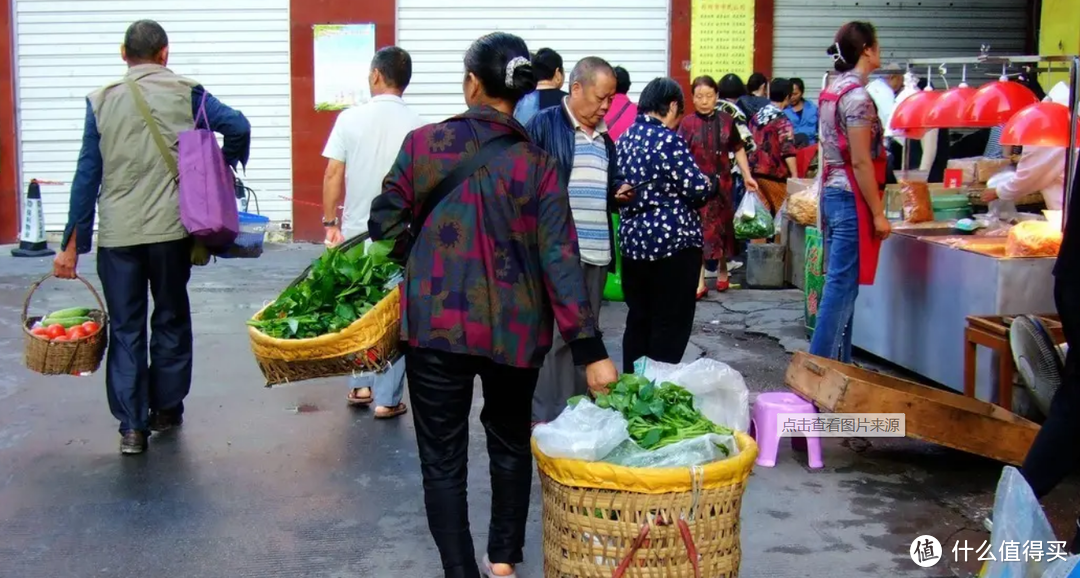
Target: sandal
701, 294
361, 401
392, 413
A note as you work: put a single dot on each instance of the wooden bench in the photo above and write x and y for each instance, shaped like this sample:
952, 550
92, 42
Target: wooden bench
992, 332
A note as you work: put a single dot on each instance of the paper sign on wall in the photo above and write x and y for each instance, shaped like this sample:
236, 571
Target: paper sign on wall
722, 38
343, 54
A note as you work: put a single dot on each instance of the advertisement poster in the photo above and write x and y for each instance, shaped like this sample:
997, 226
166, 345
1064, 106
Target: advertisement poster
343, 54
722, 38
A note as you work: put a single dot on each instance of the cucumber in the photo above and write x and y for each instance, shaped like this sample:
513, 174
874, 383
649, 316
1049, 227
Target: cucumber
70, 312
66, 322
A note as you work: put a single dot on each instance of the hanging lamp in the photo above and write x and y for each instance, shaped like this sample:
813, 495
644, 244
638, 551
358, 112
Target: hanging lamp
1043, 124
910, 114
948, 111
995, 103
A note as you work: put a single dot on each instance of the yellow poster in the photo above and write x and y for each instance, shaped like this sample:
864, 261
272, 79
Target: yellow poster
722, 38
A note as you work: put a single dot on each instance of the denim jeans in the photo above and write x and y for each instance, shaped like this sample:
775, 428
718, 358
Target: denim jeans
387, 387
840, 233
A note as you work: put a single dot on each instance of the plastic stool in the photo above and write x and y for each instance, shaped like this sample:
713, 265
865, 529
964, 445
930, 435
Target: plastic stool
763, 426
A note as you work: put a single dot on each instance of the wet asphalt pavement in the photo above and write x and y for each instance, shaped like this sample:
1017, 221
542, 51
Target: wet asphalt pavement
290, 482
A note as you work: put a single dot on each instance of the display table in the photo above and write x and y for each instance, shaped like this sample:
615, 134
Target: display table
915, 315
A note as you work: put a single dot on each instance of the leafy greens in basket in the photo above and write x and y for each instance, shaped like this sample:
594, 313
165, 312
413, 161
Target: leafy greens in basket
657, 416
340, 288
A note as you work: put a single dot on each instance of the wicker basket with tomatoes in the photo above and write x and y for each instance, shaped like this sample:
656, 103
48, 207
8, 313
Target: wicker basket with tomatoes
70, 341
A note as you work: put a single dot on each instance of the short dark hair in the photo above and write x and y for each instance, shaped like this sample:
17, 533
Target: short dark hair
622, 80
658, 96
756, 81
487, 59
144, 40
587, 69
799, 83
395, 65
732, 87
546, 62
705, 80
779, 89
849, 43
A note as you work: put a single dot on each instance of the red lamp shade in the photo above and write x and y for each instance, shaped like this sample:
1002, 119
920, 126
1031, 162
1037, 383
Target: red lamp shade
1041, 124
948, 111
911, 113
995, 103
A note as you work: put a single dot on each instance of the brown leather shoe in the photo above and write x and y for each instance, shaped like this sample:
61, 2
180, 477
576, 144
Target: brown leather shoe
133, 442
165, 420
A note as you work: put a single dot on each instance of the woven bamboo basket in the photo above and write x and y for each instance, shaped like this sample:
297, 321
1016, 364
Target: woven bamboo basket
607, 521
78, 357
366, 345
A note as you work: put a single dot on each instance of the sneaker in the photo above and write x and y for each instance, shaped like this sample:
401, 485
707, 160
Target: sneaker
165, 420
133, 442
733, 266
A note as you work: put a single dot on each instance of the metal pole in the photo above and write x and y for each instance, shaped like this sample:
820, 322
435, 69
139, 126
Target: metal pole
1070, 154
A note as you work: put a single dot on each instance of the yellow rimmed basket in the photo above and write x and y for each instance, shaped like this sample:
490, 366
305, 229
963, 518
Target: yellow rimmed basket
79, 357
367, 345
609, 521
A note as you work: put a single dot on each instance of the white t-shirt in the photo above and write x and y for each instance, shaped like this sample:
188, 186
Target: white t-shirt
885, 99
367, 138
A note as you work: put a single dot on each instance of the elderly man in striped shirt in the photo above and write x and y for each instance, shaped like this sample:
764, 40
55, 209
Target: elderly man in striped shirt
575, 134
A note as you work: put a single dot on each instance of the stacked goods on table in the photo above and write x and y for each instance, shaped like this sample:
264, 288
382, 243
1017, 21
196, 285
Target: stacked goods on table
915, 191
978, 170
649, 477
1033, 239
69, 341
340, 316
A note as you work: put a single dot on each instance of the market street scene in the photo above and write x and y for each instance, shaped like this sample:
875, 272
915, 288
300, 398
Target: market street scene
673, 288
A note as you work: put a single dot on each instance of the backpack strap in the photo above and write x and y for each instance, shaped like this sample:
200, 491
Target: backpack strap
159, 140
622, 110
460, 174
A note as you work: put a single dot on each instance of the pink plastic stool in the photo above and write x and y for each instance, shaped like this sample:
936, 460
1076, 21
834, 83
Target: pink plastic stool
763, 426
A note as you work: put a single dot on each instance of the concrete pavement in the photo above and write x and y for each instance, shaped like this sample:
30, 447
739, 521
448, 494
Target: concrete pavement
290, 482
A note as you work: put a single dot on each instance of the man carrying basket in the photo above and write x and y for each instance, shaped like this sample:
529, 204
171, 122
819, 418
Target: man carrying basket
141, 241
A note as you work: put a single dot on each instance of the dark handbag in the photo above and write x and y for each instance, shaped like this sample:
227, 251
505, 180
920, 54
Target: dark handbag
459, 175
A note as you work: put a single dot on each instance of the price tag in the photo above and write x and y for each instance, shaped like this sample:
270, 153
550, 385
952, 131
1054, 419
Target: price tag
954, 178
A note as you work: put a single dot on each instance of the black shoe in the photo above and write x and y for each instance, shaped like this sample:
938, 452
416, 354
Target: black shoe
165, 420
133, 442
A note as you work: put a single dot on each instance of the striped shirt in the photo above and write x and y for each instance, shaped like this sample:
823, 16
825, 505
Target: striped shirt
588, 194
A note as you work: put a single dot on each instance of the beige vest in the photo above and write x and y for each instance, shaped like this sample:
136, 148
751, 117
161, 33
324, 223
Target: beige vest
139, 201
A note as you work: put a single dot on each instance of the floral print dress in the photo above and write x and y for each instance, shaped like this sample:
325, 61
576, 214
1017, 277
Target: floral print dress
714, 140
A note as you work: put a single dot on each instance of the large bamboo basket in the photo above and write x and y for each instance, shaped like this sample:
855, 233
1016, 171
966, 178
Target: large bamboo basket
607, 521
366, 345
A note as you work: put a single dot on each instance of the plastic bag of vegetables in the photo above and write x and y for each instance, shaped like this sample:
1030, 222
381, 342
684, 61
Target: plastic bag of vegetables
582, 432
692, 452
753, 220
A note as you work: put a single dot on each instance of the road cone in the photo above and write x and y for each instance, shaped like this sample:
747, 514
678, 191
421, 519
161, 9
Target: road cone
32, 242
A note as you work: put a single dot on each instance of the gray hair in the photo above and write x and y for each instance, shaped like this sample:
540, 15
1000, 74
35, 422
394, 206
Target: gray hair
587, 69
144, 40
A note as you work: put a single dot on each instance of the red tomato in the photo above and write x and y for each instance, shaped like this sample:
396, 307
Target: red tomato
56, 330
91, 327
60, 338
41, 332
75, 333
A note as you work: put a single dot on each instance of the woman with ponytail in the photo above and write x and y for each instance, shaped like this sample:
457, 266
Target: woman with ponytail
477, 215
852, 212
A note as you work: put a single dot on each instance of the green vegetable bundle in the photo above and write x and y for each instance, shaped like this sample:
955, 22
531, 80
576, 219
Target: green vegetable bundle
342, 285
657, 416
753, 220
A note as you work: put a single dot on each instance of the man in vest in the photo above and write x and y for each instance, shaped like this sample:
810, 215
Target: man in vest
141, 243
361, 149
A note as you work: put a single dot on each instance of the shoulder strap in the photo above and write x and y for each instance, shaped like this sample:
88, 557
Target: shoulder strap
159, 140
460, 174
619, 114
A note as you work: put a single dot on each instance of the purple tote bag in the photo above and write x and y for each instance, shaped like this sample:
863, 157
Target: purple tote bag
207, 190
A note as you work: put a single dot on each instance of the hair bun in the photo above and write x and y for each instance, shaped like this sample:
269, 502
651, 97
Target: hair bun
523, 79
512, 66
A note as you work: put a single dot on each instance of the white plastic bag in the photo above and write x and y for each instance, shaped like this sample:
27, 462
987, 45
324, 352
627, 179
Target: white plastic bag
720, 393
1018, 518
752, 219
692, 452
582, 432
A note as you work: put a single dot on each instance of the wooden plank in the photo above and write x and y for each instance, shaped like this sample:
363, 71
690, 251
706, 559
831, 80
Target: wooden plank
931, 415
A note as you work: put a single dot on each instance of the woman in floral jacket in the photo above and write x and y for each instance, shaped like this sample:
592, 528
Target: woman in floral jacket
487, 273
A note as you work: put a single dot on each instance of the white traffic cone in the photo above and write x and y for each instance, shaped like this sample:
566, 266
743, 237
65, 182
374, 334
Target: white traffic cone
32, 242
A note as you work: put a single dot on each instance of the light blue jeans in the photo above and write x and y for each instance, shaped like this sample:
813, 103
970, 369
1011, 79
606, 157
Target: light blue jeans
386, 387
840, 235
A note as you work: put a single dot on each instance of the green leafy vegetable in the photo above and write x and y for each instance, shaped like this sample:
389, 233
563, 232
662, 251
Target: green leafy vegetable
656, 416
341, 287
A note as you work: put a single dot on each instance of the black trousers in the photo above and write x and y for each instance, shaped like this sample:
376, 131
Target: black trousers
661, 297
441, 391
1057, 446
135, 383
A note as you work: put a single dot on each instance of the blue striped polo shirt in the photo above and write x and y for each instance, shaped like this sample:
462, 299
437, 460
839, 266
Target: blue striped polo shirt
588, 193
